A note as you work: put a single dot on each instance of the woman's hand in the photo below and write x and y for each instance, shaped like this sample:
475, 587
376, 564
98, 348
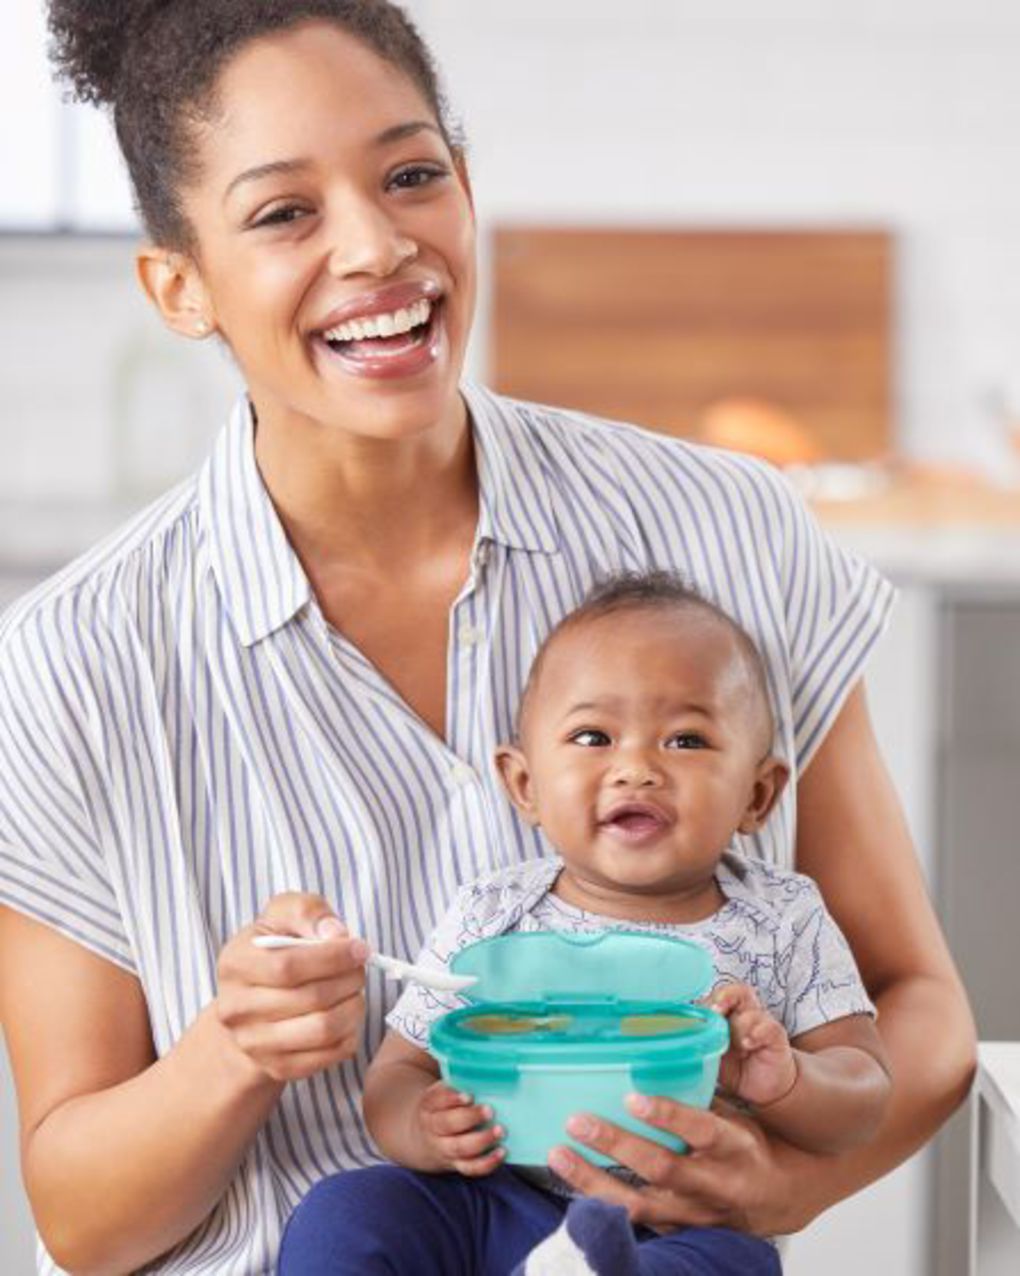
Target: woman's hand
295, 1011
455, 1133
733, 1175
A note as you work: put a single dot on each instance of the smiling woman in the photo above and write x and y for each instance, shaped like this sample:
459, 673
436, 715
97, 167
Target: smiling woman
271, 703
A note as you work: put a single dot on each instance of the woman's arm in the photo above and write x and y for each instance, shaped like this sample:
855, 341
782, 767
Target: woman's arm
123, 1155
853, 839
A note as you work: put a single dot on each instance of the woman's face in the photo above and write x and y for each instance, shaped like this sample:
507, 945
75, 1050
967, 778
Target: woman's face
336, 239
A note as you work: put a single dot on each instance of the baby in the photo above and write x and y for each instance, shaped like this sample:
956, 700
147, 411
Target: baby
643, 746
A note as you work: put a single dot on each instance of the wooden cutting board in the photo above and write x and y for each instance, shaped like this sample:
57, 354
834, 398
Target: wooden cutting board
653, 326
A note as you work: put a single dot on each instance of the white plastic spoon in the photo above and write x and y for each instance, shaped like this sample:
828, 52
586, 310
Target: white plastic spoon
392, 967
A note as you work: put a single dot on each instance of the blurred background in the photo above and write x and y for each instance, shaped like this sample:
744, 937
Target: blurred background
792, 228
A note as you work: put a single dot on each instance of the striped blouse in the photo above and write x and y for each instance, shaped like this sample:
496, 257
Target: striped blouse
182, 735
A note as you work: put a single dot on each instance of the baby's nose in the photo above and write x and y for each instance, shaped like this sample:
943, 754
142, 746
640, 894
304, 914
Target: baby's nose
636, 769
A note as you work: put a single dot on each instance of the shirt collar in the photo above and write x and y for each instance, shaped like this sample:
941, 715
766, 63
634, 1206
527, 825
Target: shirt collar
515, 502
261, 578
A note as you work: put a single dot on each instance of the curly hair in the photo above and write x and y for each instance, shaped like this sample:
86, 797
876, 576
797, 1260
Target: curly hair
156, 64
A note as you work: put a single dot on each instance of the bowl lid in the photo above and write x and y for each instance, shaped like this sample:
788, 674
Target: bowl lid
563, 1033
604, 965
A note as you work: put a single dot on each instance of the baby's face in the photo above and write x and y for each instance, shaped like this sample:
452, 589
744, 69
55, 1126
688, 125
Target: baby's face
642, 745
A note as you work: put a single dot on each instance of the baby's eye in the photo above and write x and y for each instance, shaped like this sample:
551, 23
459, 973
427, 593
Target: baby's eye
686, 740
589, 738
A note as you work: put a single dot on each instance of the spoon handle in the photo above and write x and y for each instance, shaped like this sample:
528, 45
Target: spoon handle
285, 941
392, 967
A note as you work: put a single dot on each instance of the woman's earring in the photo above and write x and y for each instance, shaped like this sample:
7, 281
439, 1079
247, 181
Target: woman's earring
202, 327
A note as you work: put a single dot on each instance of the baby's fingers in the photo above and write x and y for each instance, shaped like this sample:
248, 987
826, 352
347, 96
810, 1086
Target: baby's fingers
459, 1120
440, 1097
476, 1153
481, 1165
731, 999
756, 1030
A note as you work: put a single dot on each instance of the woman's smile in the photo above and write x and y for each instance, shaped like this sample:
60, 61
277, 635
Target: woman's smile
396, 331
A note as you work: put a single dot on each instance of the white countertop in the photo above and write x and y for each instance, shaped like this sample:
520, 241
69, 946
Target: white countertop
939, 556
998, 1090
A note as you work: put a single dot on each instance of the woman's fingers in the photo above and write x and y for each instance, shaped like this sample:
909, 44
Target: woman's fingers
300, 913
322, 1030
703, 1187
294, 1010
240, 960
700, 1129
246, 1003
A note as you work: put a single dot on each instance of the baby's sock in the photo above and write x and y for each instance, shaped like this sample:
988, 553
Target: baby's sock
594, 1239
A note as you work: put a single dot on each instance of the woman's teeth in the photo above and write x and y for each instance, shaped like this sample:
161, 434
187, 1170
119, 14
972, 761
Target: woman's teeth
391, 325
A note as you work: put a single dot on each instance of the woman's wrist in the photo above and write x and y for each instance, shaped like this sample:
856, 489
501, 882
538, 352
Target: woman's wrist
796, 1193
238, 1072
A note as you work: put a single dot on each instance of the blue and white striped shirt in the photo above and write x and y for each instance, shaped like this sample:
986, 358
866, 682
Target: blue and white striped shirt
182, 735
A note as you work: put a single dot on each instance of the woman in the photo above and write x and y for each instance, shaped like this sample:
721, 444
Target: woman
269, 703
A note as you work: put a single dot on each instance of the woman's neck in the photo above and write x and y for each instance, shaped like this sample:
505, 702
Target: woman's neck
367, 502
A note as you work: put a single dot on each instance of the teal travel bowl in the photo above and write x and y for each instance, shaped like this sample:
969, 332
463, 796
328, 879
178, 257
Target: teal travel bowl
563, 1023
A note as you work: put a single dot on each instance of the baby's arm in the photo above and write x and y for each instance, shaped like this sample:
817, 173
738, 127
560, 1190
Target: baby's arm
419, 1122
824, 1091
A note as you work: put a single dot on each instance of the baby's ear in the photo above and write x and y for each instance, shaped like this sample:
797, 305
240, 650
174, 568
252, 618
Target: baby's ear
515, 773
769, 781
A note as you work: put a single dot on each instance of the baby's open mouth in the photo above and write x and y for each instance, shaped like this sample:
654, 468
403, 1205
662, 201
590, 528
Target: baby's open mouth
635, 819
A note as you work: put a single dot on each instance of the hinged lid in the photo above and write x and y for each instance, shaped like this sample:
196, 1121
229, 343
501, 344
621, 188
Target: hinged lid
600, 965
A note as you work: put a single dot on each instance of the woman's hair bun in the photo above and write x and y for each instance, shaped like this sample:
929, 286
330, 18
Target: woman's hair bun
90, 38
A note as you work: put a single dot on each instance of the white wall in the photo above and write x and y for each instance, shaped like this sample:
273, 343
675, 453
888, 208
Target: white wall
899, 113
682, 112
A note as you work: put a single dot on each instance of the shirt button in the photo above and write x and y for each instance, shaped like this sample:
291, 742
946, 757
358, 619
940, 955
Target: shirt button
461, 773
470, 635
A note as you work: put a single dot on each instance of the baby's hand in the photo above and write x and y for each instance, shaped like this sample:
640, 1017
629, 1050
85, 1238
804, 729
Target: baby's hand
759, 1066
455, 1131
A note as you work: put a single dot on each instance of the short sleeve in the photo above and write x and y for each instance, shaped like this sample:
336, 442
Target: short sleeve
821, 978
52, 790
418, 1008
836, 607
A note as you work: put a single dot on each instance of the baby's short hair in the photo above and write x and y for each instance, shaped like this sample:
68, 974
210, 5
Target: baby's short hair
653, 590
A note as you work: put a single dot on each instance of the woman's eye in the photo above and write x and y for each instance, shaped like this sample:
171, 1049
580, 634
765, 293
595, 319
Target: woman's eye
590, 739
281, 216
686, 740
417, 175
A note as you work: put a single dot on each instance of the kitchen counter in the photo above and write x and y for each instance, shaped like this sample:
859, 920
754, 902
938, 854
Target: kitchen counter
953, 531
949, 532
995, 1161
